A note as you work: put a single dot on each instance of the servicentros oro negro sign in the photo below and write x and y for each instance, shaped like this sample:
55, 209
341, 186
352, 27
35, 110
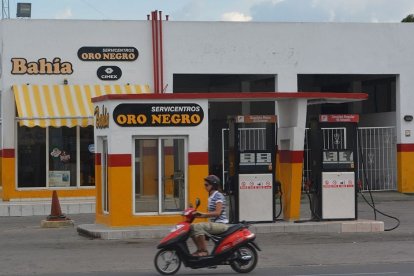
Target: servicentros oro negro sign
158, 115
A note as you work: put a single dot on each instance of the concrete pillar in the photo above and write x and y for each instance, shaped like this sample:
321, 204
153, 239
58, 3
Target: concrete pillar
245, 87
405, 135
291, 133
356, 86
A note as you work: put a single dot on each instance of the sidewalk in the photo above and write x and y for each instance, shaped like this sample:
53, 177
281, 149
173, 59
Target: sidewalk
85, 205
111, 233
42, 206
365, 222
347, 226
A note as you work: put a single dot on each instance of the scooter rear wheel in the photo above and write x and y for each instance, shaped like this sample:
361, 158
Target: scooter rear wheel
167, 261
246, 259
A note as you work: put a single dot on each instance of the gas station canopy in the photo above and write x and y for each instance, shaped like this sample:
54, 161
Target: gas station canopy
312, 97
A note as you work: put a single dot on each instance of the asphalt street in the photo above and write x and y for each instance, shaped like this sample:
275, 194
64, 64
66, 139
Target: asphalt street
28, 249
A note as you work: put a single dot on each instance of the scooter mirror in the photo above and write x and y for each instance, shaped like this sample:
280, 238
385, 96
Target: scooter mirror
197, 202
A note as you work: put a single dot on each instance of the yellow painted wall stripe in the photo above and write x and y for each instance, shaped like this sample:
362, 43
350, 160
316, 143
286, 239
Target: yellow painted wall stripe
120, 197
405, 172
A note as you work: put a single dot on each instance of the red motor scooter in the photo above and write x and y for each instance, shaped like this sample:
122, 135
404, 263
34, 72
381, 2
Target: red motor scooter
234, 247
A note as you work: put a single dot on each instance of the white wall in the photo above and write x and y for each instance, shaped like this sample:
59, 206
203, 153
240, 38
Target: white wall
282, 49
288, 49
120, 138
35, 39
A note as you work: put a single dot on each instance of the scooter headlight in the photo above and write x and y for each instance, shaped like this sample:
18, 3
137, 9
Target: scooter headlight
176, 227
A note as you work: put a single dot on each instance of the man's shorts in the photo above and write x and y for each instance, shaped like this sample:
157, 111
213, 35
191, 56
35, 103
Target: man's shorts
203, 228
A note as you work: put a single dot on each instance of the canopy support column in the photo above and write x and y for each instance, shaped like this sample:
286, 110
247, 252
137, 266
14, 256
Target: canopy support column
291, 133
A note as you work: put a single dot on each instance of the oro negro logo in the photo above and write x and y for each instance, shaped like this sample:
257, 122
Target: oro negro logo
108, 53
155, 115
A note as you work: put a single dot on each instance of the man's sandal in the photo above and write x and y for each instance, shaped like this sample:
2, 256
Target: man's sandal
200, 253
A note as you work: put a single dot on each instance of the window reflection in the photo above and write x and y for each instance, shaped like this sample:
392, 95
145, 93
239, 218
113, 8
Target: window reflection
62, 157
151, 157
49, 156
31, 159
146, 175
87, 157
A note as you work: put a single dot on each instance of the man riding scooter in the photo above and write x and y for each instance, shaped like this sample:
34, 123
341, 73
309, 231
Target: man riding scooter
234, 245
216, 213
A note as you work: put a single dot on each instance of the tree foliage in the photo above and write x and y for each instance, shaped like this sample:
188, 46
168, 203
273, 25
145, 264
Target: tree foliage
408, 18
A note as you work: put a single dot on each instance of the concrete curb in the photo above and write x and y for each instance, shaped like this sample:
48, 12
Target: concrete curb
98, 231
57, 223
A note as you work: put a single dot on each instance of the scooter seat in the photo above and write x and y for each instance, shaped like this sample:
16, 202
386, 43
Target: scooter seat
233, 228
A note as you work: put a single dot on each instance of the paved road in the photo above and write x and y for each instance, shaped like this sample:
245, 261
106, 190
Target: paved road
27, 249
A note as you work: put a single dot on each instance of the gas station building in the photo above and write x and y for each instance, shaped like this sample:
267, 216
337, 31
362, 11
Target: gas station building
70, 89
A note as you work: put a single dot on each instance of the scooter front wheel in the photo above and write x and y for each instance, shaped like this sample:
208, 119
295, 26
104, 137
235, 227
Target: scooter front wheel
167, 261
246, 259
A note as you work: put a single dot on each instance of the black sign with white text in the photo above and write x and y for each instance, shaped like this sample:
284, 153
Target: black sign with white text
108, 73
156, 115
108, 53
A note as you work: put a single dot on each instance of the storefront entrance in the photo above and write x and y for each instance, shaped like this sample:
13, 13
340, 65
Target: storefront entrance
159, 174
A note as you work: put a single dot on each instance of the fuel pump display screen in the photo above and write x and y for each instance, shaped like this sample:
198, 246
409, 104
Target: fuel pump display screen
247, 158
255, 161
338, 159
251, 158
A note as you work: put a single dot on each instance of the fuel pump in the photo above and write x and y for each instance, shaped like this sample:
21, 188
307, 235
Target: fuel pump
333, 144
251, 157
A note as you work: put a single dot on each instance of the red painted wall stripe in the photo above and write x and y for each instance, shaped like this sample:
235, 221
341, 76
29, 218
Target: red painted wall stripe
119, 160
232, 96
98, 159
405, 147
291, 156
198, 158
7, 153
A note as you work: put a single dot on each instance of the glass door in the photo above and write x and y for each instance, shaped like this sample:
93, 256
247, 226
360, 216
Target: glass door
146, 175
105, 190
159, 175
173, 171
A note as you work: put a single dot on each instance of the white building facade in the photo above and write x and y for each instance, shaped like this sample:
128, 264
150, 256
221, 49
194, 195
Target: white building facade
78, 57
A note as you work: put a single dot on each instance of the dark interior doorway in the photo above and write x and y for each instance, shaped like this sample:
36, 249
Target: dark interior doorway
381, 90
218, 112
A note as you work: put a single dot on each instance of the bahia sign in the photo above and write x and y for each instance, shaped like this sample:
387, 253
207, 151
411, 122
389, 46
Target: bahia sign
20, 66
101, 117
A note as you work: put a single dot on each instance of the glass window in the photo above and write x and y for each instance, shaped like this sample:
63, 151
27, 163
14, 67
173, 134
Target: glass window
31, 159
173, 174
48, 157
146, 175
105, 190
87, 156
62, 157
1, 159
159, 175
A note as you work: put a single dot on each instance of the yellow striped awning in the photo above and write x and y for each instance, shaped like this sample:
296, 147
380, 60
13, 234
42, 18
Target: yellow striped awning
63, 105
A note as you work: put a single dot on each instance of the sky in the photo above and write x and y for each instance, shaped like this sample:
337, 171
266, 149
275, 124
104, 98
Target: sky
222, 10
